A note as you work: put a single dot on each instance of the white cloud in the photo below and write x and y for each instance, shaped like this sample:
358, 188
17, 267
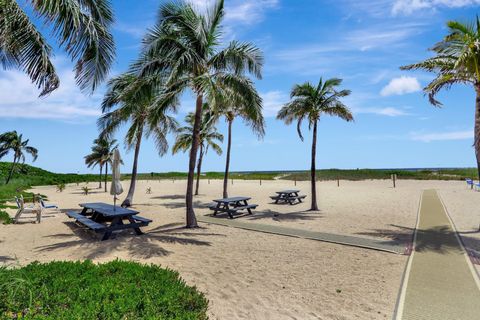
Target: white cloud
19, 99
442, 136
135, 31
272, 102
401, 85
388, 111
410, 6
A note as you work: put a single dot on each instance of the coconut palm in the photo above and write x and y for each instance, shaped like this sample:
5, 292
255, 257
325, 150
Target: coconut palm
81, 27
310, 103
12, 141
252, 116
95, 158
184, 47
102, 150
456, 61
208, 138
135, 105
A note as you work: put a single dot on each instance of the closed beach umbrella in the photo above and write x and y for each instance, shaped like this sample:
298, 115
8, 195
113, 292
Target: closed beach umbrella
116, 186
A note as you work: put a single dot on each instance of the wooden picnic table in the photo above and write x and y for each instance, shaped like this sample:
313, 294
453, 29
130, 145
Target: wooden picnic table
288, 196
106, 218
232, 205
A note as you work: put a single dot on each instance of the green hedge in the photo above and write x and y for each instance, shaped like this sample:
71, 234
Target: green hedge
84, 290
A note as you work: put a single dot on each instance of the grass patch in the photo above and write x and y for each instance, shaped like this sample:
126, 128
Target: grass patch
84, 290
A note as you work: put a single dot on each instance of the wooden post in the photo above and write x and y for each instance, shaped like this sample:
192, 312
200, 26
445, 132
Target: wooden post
208, 181
295, 179
232, 181
260, 181
394, 177
338, 182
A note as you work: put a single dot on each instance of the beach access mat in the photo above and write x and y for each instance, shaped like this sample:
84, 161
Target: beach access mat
440, 282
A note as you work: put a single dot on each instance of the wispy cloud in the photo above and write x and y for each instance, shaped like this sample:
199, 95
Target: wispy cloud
410, 6
401, 85
442, 136
388, 111
273, 101
19, 99
136, 31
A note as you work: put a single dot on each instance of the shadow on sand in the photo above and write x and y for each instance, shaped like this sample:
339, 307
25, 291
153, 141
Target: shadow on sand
440, 239
142, 247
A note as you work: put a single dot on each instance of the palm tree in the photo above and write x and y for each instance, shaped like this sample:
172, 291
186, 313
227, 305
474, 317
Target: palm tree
12, 141
252, 115
208, 138
81, 27
102, 151
135, 103
95, 158
310, 103
184, 48
456, 61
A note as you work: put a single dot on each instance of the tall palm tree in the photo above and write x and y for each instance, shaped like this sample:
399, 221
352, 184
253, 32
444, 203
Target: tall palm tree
102, 151
184, 48
81, 27
456, 61
135, 102
95, 158
310, 103
207, 139
12, 141
252, 116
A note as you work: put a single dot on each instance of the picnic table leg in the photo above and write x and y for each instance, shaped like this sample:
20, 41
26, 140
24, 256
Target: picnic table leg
215, 211
248, 209
137, 229
108, 232
227, 209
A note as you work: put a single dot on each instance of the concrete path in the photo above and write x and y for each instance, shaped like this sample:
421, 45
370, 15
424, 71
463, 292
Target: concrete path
440, 282
387, 245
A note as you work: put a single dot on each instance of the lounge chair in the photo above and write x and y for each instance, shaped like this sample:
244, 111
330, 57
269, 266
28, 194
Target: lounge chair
469, 183
47, 206
26, 209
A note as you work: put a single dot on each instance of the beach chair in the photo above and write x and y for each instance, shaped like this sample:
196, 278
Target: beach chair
476, 186
46, 206
26, 209
469, 183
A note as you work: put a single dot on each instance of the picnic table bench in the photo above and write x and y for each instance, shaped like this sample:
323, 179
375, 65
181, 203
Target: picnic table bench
232, 205
106, 218
288, 196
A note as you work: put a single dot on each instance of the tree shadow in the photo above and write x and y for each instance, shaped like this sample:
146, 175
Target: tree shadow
142, 247
170, 197
439, 239
290, 216
5, 259
176, 205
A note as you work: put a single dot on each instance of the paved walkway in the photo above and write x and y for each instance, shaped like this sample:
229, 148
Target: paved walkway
387, 245
440, 282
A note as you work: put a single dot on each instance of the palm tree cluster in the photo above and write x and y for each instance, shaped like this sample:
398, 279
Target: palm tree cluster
101, 155
13, 142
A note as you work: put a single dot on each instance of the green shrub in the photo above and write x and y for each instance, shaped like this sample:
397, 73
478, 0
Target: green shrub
84, 290
4, 217
60, 187
86, 190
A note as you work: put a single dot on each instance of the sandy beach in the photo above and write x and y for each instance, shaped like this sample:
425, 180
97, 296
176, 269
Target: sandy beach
251, 275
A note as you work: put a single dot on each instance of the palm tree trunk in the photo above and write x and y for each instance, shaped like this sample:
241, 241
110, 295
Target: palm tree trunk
476, 143
106, 175
129, 199
199, 169
227, 162
191, 219
313, 173
100, 180
11, 170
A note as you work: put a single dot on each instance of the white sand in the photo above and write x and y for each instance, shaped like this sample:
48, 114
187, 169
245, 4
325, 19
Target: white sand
250, 275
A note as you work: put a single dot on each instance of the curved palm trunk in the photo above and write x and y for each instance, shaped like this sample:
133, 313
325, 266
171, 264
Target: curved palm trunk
191, 219
313, 173
199, 169
227, 163
11, 170
476, 143
129, 199
100, 180
106, 175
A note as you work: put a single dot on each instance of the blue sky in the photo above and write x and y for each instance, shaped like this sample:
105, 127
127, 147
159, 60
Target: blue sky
362, 42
